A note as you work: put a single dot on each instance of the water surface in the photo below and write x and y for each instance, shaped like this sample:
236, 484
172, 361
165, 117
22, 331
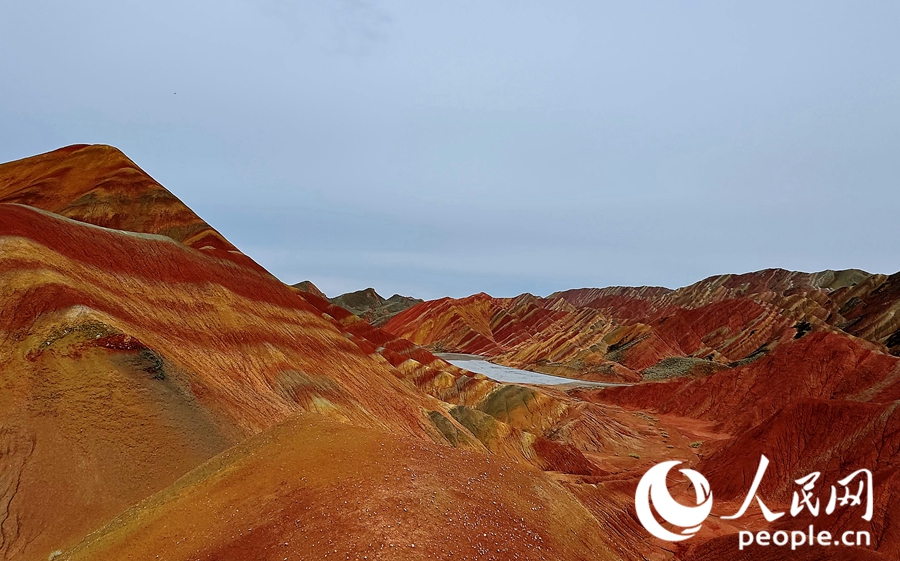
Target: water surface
475, 363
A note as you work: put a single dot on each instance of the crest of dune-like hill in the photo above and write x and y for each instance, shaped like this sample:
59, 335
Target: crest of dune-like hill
99, 185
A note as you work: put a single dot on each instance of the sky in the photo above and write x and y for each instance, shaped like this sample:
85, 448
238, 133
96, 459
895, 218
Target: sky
447, 148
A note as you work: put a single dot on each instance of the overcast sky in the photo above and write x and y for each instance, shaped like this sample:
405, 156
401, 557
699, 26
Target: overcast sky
447, 148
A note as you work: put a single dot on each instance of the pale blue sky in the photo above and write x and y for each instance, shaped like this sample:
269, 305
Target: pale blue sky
447, 148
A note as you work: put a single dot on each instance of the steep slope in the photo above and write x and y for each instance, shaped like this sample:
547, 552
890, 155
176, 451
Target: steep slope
857, 302
641, 303
99, 185
821, 403
131, 339
620, 302
115, 346
545, 336
817, 366
477, 324
795, 366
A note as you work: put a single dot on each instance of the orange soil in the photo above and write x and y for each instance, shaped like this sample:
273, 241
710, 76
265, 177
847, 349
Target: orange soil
315, 489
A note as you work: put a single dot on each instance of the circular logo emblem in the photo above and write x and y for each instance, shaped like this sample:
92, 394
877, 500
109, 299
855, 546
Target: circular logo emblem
652, 488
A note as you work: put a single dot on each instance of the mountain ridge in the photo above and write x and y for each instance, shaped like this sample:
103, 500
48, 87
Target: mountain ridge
613, 334
365, 303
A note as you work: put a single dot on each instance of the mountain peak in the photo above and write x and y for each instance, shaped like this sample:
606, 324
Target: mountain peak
372, 307
98, 184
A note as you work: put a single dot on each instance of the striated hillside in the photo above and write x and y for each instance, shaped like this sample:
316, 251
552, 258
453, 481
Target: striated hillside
99, 185
820, 403
165, 397
131, 353
621, 334
799, 367
477, 324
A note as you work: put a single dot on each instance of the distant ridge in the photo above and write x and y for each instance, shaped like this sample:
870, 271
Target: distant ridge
310, 288
365, 303
372, 307
619, 333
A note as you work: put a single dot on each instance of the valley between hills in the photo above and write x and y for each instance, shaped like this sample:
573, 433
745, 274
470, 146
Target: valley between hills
166, 397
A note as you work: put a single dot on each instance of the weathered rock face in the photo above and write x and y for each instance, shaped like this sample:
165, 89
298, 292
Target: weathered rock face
818, 366
117, 346
478, 324
823, 403
99, 185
